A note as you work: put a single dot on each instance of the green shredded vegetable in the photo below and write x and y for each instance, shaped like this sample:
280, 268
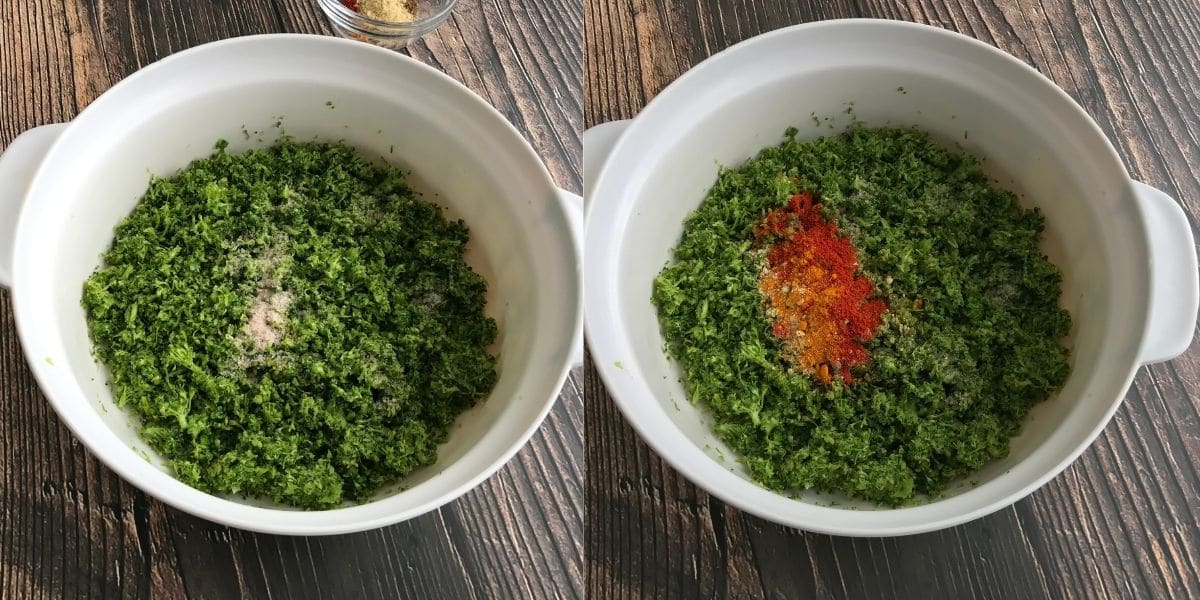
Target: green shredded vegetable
971, 341
291, 323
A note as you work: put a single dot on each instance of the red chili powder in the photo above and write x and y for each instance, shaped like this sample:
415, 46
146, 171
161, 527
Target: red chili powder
822, 308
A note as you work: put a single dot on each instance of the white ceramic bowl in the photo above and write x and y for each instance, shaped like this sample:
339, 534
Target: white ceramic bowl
1125, 248
72, 183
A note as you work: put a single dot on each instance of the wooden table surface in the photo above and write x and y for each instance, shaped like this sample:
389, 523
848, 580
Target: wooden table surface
1122, 522
70, 528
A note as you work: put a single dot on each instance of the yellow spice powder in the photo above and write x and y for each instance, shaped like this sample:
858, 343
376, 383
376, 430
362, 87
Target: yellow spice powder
396, 11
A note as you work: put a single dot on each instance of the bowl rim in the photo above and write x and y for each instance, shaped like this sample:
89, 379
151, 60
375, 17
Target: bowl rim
626, 385
216, 508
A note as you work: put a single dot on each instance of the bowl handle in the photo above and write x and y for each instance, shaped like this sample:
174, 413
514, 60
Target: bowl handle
573, 207
17, 166
598, 142
1174, 279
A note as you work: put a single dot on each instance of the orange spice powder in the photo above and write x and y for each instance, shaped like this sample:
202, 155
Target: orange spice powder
821, 307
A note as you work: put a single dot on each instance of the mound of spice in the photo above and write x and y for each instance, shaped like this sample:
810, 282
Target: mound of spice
392, 11
821, 307
292, 323
914, 277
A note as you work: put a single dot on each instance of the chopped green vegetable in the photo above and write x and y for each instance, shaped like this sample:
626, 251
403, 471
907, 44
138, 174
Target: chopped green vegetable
291, 323
970, 342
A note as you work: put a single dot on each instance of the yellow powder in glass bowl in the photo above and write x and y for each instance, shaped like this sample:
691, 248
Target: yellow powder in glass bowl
395, 11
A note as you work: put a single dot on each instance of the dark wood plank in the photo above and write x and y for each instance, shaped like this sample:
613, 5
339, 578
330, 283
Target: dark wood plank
71, 528
1122, 522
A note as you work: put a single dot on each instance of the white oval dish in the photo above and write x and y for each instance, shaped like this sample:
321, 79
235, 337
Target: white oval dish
1126, 249
72, 183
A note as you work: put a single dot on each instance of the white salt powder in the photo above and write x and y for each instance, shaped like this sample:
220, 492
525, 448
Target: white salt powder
268, 317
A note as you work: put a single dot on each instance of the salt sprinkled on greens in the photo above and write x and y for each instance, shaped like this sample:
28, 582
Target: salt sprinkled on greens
971, 339
291, 323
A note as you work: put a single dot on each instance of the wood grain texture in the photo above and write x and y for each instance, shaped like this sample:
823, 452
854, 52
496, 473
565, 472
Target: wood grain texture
1122, 522
70, 528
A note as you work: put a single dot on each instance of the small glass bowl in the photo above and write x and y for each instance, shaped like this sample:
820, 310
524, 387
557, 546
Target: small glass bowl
350, 24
